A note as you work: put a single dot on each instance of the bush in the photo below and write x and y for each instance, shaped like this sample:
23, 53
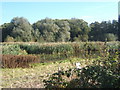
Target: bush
13, 49
110, 37
95, 77
14, 61
103, 73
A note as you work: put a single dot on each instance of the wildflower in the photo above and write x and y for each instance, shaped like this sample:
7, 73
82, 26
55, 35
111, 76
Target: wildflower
78, 65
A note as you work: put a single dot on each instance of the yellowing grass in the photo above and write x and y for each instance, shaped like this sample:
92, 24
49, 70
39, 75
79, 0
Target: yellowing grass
33, 77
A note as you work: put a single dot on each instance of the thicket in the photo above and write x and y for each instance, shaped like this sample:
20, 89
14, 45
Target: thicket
15, 61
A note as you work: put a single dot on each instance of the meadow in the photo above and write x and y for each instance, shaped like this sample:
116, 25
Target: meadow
51, 65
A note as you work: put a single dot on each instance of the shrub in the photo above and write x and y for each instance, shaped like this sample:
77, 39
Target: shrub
95, 77
103, 73
110, 37
13, 49
14, 61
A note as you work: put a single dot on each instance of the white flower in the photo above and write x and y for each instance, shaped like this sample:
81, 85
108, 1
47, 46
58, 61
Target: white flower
78, 65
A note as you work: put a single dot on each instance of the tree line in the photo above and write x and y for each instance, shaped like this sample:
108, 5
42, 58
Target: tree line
58, 30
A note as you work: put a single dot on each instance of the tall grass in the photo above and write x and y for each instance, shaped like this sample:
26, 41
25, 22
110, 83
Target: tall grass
58, 51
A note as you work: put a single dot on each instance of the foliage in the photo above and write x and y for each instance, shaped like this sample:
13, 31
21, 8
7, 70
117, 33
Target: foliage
6, 29
9, 39
50, 49
62, 51
19, 29
110, 37
58, 51
13, 49
58, 30
104, 30
103, 73
79, 30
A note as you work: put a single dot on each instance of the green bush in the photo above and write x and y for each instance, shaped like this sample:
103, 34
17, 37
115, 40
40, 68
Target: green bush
13, 49
111, 37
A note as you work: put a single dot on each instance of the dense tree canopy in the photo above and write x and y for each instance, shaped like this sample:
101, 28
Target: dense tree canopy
56, 30
104, 31
79, 30
22, 30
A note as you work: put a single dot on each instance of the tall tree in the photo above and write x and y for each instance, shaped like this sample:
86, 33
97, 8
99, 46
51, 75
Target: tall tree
6, 29
63, 33
47, 29
79, 30
22, 30
102, 31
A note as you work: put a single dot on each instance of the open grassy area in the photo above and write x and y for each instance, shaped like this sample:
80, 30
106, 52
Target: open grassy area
33, 77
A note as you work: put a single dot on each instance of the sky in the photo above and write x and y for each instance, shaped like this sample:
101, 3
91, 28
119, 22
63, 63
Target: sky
119, 8
34, 11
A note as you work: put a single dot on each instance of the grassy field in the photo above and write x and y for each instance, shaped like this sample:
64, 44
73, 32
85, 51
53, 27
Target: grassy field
33, 77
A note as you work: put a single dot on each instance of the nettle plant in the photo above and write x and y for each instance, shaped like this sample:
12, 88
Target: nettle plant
103, 73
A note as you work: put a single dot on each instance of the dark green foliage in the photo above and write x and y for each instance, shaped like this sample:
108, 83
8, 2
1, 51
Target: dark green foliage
95, 77
104, 31
79, 30
6, 29
54, 57
56, 80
